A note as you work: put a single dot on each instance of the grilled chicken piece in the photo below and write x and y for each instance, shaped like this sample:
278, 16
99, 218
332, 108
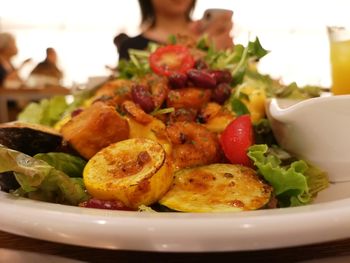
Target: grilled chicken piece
94, 129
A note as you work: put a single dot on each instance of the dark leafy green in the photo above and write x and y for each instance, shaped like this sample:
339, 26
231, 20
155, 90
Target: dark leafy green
172, 39
256, 50
239, 107
203, 44
236, 59
263, 133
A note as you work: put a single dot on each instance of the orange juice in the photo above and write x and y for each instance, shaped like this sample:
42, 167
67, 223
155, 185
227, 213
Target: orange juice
340, 61
339, 41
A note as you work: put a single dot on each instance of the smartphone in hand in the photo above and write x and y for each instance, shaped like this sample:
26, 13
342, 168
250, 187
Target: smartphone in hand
210, 15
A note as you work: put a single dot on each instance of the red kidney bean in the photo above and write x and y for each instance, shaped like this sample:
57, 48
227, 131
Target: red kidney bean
201, 79
104, 204
221, 93
76, 112
221, 76
141, 96
177, 80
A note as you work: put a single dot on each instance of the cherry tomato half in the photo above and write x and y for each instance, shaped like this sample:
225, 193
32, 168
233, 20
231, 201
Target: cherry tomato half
171, 59
236, 139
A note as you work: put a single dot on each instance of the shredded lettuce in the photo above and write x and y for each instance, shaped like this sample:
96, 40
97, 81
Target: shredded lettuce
138, 64
39, 180
292, 182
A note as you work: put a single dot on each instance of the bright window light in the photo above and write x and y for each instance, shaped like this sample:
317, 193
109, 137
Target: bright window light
82, 32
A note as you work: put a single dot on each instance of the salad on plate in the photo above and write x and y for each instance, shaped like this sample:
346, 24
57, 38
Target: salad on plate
180, 128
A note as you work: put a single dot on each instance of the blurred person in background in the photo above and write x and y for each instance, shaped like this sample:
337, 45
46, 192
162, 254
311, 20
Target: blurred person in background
8, 49
162, 18
47, 71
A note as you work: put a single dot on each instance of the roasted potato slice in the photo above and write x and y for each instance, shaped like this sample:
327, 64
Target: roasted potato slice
217, 188
216, 117
135, 171
154, 130
254, 101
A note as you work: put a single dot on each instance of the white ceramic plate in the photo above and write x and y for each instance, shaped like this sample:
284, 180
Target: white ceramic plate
328, 219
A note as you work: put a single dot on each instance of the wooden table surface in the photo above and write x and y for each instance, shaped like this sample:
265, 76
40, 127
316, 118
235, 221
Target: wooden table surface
318, 251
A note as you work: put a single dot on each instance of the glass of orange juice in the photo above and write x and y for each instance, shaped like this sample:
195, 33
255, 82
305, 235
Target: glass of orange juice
339, 42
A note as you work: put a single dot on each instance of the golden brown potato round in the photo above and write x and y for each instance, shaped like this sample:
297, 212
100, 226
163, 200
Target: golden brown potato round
135, 171
217, 188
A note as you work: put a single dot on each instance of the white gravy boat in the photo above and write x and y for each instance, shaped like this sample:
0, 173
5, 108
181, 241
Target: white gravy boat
316, 130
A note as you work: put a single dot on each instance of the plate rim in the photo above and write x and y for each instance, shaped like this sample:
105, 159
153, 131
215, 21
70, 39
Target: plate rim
165, 232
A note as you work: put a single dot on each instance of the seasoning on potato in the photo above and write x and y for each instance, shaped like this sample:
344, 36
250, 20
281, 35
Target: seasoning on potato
134, 171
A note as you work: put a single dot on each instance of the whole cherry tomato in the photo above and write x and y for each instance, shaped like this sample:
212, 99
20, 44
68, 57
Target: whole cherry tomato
236, 139
171, 59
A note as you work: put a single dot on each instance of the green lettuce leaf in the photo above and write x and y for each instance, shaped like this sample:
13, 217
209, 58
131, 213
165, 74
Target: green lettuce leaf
71, 165
46, 112
236, 60
40, 180
293, 91
317, 180
256, 50
32, 113
239, 107
289, 183
138, 64
275, 88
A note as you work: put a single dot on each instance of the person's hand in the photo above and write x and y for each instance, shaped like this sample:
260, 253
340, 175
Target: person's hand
218, 30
